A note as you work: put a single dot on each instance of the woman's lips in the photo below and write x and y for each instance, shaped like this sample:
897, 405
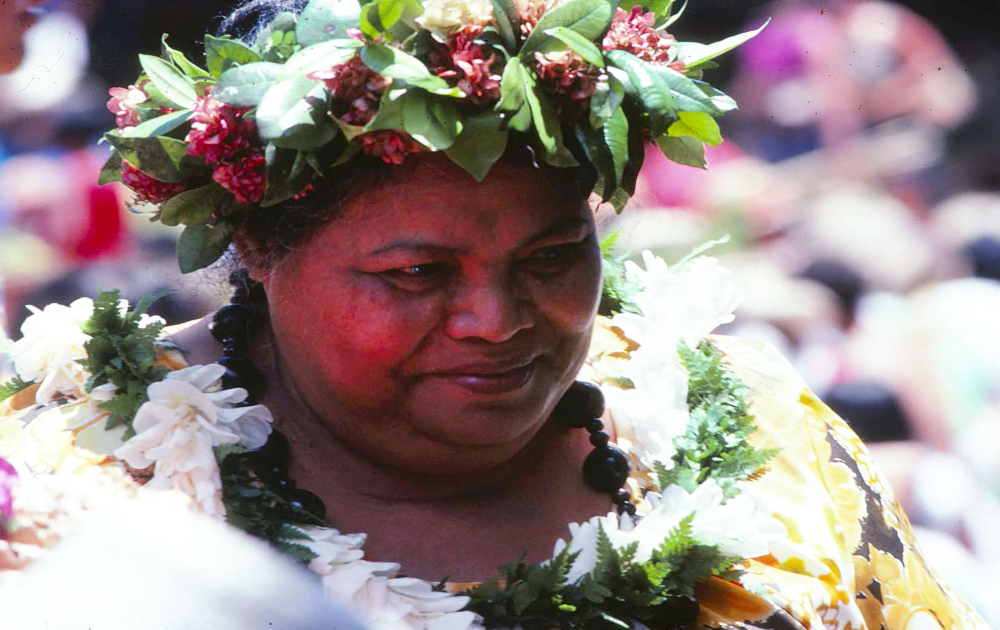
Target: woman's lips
491, 383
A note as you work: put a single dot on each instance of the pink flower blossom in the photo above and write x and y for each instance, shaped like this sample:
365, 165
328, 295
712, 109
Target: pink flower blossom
356, 90
245, 178
147, 188
219, 131
124, 104
390, 146
530, 11
633, 32
465, 64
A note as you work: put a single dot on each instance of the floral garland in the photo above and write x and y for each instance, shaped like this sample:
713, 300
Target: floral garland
585, 81
679, 414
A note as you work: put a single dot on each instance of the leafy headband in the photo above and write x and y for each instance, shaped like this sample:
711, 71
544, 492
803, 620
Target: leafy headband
582, 79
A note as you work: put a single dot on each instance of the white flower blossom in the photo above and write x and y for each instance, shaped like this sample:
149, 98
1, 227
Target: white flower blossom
681, 303
444, 18
50, 347
186, 416
736, 526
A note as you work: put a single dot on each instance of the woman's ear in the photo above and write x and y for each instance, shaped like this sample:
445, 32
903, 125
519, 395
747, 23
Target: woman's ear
254, 258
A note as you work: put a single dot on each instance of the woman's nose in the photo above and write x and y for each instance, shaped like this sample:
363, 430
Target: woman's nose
492, 312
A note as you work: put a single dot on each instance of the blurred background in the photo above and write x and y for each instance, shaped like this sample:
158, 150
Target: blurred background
859, 185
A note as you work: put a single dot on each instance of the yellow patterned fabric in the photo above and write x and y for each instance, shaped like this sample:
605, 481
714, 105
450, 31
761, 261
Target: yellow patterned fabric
849, 560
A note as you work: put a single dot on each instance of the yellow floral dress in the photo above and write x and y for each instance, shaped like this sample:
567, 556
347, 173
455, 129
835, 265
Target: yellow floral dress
849, 560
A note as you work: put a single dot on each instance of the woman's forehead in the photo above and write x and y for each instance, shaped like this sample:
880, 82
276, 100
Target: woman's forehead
448, 207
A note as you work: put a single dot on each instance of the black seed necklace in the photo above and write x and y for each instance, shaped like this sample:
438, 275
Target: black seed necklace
605, 470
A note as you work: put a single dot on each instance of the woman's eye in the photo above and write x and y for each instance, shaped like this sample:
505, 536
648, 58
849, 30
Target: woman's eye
417, 277
552, 259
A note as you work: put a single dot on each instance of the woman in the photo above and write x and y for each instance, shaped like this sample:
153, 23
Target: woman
423, 274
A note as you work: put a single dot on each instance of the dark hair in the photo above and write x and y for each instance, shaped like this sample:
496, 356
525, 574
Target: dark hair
266, 234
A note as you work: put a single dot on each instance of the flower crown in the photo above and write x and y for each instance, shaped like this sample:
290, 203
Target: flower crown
581, 79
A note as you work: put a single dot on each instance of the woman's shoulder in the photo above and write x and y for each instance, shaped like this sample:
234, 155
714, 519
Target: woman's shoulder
846, 530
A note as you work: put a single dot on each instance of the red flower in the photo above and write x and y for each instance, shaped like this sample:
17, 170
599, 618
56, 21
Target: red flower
245, 178
570, 80
356, 90
390, 146
146, 188
464, 63
633, 32
219, 131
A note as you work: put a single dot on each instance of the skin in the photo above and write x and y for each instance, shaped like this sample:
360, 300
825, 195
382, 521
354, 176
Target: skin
15, 19
421, 341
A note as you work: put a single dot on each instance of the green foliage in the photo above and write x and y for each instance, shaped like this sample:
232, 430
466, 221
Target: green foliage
122, 353
618, 288
12, 387
252, 507
619, 592
715, 445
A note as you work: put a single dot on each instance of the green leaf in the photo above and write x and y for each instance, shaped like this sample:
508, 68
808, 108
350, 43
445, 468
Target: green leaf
673, 17
687, 151
579, 44
694, 55
192, 207
292, 115
642, 83
111, 171
396, 64
321, 20
160, 157
509, 27
589, 18
480, 144
616, 138
321, 56
12, 387
172, 85
201, 245
607, 98
288, 172
433, 122
513, 100
221, 53
697, 125
244, 86
723, 102
181, 61
159, 126
389, 12
389, 115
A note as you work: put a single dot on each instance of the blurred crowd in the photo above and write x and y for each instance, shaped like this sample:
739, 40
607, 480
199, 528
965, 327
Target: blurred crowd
858, 186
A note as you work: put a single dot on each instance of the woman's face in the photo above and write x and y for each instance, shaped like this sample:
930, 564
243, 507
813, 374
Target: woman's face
439, 320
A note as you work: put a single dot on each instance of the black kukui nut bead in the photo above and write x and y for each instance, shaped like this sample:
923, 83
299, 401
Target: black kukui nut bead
305, 500
581, 402
277, 450
594, 425
622, 496
678, 612
283, 486
232, 321
242, 373
627, 506
606, 469
599, 438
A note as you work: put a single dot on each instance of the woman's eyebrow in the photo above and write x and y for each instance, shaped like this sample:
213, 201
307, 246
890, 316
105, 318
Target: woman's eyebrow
556, 229
416, 244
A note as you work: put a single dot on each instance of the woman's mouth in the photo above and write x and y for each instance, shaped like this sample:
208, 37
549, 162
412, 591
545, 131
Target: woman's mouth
484, 381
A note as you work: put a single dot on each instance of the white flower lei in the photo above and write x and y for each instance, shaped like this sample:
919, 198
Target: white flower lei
188, 414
